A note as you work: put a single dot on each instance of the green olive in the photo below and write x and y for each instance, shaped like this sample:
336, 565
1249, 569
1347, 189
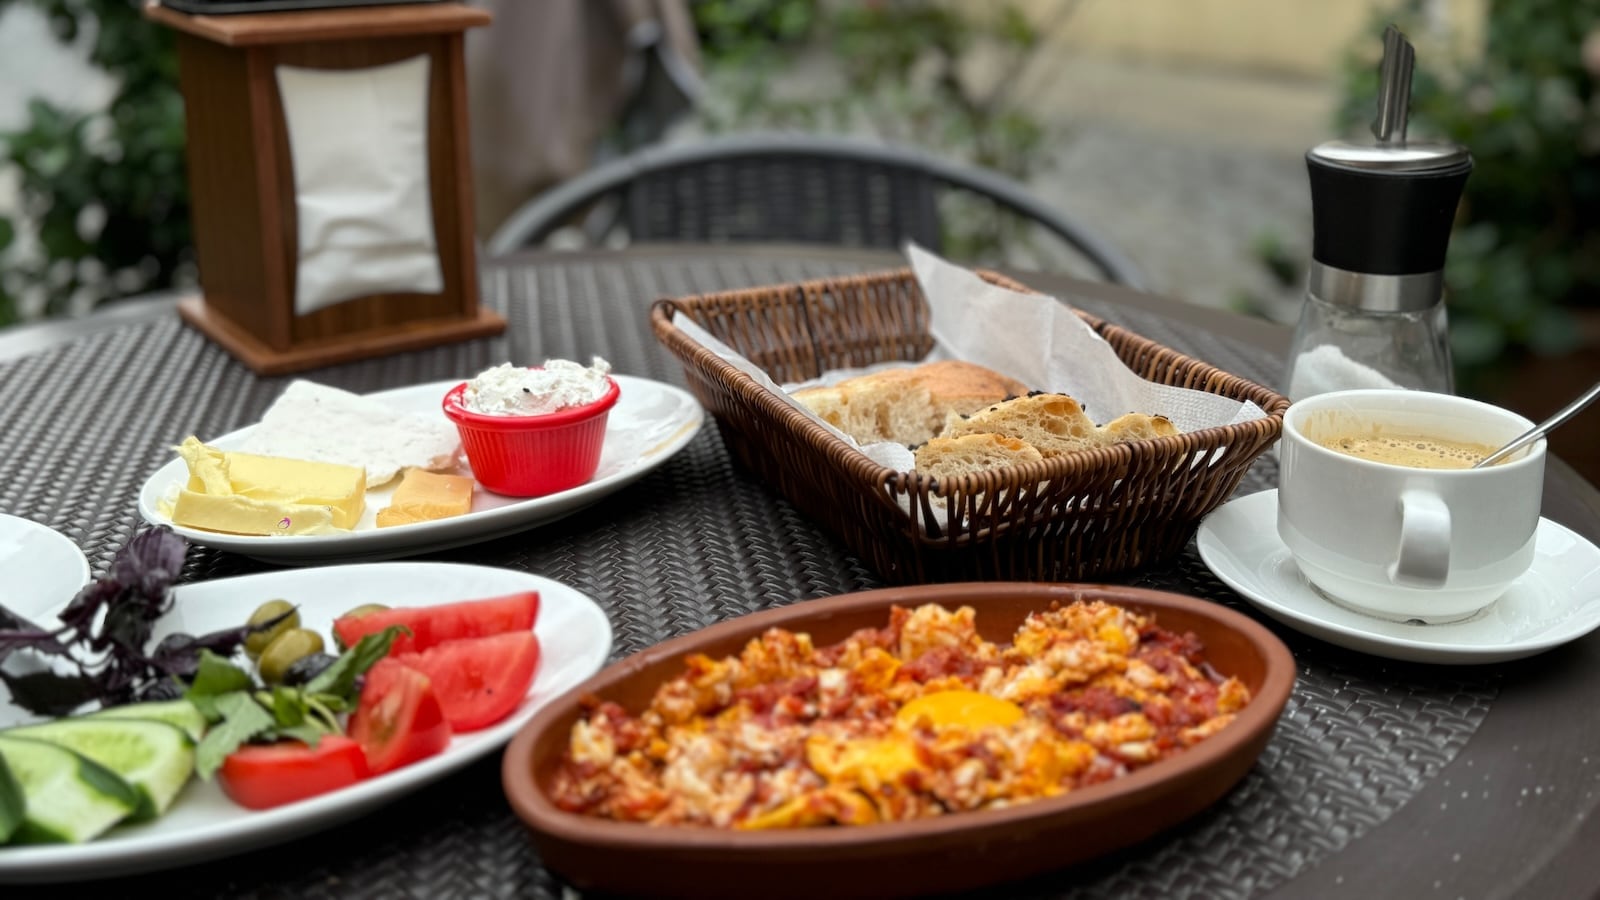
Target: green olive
284, 651
364, 609
266, 612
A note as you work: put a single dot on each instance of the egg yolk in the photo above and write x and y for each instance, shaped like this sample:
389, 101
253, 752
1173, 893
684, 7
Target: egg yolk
967, 708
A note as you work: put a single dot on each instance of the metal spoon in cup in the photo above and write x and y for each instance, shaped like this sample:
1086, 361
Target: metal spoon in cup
1539, 430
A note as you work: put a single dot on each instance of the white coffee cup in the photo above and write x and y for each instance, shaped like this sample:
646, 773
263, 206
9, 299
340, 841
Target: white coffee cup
1405, 543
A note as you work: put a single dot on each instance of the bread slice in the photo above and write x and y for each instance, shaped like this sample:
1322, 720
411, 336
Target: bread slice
325, 424
949, 457
1138, 427
1052, 423
908, 406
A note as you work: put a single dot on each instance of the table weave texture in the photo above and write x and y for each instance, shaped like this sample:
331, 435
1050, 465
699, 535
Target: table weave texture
695, 542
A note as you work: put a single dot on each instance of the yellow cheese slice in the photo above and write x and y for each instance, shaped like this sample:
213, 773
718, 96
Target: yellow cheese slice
423, 496
263, 491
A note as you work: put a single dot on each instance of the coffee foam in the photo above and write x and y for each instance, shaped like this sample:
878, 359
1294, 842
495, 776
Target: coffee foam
1414, 451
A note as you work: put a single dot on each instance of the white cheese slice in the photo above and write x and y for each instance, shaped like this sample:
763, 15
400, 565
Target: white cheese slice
325, 424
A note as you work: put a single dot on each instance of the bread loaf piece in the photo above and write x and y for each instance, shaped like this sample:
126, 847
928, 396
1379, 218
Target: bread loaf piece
1052, 423
1048, 425
908, 406
949, 457
1138, 427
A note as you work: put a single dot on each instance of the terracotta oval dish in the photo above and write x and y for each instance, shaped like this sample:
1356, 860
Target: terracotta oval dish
934, 855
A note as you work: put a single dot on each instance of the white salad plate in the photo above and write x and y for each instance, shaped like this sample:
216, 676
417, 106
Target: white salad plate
574, 639
1556, 601
38, 564
651, 422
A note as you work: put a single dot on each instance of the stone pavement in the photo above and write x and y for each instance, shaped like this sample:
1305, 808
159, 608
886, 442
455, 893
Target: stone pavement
1185, 170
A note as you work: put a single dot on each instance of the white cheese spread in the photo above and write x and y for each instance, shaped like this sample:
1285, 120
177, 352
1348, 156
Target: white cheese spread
508, 390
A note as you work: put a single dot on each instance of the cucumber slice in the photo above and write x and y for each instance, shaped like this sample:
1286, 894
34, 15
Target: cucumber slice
181, 713
70, 798
154, 757
12, 806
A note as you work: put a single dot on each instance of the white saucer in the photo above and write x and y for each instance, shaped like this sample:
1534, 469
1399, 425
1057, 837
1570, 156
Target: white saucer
1556, 601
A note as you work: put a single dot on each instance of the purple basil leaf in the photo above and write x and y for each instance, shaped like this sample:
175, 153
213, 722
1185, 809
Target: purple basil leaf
227, 640
118, 683
50, 694
114, 617
150, 562
127, 629
80, 613
162, 689
179, 654
39, 641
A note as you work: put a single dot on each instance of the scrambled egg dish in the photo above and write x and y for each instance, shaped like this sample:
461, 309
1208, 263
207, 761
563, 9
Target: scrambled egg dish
921, 718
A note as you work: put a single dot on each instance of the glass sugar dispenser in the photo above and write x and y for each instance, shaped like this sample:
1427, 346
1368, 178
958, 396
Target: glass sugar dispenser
1374, 312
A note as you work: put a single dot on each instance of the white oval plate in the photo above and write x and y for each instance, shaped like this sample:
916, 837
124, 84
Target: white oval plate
39, 566
651, 422
1556, 601
574, 639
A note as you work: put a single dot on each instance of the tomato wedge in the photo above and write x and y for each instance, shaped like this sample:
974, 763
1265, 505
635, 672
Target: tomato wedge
433, 625
398, 720
478, 681
268, 775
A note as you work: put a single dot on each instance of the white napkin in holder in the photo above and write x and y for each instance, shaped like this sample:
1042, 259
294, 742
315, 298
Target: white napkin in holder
358, 145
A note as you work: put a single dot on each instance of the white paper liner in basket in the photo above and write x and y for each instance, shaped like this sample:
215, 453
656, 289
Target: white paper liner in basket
1033, 338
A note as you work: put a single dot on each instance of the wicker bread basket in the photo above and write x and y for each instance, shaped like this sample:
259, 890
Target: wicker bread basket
1076, 517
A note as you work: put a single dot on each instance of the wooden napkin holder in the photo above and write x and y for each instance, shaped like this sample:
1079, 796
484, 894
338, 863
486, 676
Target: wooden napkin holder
242, 183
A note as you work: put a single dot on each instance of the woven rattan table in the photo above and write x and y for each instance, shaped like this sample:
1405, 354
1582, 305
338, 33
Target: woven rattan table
1384, 779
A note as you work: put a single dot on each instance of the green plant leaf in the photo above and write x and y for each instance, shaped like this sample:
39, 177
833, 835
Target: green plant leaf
216, 676
241, 719
339, 679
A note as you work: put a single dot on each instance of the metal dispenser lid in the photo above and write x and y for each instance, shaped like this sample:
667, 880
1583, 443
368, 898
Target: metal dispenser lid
1418, 157
1385, 209
1391, 152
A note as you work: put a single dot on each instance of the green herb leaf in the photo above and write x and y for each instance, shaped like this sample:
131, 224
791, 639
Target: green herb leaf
334, 703
310, 735
242, 719
288, 707
339, 678
216, 676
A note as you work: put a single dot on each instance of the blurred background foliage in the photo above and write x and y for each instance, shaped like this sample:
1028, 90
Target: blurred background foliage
103, 205
1524, 259
103, 192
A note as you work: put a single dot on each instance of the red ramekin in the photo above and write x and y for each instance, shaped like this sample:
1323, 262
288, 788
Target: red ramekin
530, 456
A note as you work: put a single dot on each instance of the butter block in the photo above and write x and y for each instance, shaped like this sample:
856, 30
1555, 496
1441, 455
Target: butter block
423, 496
244, 493
234, 514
